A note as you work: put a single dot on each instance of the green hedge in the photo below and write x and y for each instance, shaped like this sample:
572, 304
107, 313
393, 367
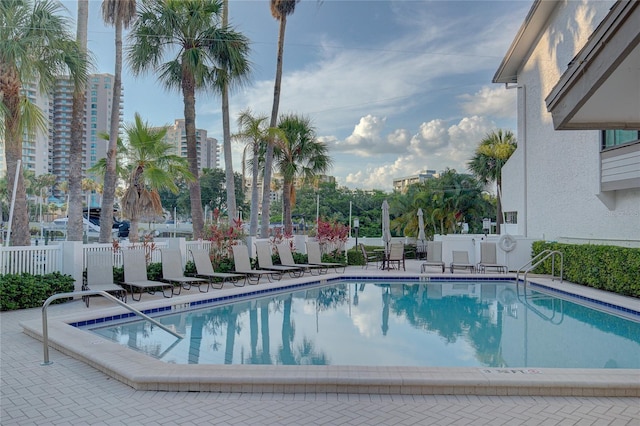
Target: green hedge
610, 268
30, 291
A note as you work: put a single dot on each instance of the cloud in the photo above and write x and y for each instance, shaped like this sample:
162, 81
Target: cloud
498, 102
367, 139
435, 146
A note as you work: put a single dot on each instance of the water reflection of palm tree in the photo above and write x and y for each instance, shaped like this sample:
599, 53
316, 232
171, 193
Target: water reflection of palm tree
288, 331
231, 337
253, 331
264, 325
197, 324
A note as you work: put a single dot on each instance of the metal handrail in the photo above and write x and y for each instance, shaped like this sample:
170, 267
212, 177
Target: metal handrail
541, 257
45, 325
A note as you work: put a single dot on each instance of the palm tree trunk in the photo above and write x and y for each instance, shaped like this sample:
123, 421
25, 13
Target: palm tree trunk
226, 145
268, 162
10, 88
76, 151
253, 224
499, 204
286, 208
109, 186
188, 91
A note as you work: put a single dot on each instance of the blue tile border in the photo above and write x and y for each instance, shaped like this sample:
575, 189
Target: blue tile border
410, 279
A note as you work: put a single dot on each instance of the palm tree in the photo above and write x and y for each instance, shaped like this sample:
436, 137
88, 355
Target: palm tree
75, 226
206, 55
226, 132
486, 165
298, 155
152, 167
35, 46
254, 131
280, 9
120, 14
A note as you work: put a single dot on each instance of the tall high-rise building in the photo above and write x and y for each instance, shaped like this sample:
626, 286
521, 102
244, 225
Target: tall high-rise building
207, 148
97, 119
99, 103
35, 144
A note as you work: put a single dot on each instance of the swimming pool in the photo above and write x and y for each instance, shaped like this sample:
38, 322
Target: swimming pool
143, 372
411, 324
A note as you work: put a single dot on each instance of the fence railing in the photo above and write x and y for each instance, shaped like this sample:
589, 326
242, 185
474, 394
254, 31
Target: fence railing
36, 260
40, 260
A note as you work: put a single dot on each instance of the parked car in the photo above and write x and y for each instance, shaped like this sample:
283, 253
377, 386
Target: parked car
121, 225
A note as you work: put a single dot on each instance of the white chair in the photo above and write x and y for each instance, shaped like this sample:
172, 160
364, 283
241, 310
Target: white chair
489, 258
461, 261
100, 276
434, 256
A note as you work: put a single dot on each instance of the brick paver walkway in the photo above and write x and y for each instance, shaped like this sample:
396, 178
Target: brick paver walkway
71, 392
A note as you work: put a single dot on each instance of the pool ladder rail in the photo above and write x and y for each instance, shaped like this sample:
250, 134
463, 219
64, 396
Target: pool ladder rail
45, 325
538, 259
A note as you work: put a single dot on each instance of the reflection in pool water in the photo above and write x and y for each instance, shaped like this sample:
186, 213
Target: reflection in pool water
482, 324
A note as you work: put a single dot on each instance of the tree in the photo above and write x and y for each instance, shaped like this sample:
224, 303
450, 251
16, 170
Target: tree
280, 9
226, 131
206, 55
120, 14
152, 167
298, 155
75, 228
486, 165
254, 131
214, 188
35, 46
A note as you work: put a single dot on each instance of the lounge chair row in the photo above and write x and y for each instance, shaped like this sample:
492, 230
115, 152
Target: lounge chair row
488, 258
100, 270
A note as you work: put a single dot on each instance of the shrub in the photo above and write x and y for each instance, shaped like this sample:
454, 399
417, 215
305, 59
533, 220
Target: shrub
30, 291
609, 268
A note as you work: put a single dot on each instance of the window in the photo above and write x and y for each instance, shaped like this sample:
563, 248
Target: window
511, 217
614, 138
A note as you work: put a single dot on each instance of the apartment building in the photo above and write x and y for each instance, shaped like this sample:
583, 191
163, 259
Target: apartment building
402, 184
207, 148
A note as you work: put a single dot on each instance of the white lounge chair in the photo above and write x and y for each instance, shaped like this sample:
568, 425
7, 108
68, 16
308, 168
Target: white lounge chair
489, 258
434, 256
315, 257
243, 266
396, 255
263, 250
461, 261
368, 258
286, 258
100, 276
173, 270
135, 275
204, 269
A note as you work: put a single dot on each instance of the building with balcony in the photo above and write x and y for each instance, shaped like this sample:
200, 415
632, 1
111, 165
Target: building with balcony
575, 176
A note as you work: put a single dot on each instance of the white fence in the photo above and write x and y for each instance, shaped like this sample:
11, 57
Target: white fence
71, 257
36, 260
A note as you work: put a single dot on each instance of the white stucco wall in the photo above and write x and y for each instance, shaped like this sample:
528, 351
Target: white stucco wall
553, 178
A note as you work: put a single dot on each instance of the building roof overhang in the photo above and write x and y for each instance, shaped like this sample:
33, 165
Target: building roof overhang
525, 39
601, 87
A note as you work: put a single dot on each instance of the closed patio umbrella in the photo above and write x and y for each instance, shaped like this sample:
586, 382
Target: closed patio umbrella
386, 225
421, 235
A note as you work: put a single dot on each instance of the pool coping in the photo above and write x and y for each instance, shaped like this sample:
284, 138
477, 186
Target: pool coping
142, 372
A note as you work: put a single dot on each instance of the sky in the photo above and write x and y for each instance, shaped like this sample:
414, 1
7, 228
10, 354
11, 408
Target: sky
392, 87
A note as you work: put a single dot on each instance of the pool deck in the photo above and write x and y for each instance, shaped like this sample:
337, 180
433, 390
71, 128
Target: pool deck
73, 391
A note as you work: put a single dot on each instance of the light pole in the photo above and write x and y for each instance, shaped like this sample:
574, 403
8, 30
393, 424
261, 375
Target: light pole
356, 226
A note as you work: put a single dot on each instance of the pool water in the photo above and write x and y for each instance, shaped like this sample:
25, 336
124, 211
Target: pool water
448, 324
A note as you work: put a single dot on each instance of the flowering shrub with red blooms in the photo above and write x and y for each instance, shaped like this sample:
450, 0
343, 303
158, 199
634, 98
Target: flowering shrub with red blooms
332, 236
148, 244
277, 236
222, 237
